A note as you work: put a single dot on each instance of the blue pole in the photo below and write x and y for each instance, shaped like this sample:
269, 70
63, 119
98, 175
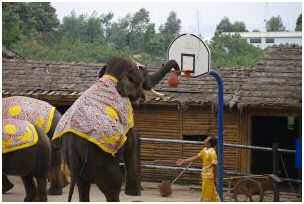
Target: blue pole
220, 112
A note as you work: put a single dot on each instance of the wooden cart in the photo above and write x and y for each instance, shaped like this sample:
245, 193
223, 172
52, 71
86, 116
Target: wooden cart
255, 188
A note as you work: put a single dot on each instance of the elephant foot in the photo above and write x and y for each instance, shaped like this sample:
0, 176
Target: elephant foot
29, 198
132, 191
65, 182
55, 191
41, 198
7, 186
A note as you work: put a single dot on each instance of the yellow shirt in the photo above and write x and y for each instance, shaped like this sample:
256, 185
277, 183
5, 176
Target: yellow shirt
208, 158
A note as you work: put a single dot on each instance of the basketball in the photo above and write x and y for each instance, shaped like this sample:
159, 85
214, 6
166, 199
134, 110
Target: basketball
173, 80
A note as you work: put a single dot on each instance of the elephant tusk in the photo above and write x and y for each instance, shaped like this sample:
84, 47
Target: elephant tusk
157, 93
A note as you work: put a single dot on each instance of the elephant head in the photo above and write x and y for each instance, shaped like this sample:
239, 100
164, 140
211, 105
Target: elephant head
132, 80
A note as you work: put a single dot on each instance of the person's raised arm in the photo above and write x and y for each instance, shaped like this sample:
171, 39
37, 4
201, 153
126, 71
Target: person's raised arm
180, 162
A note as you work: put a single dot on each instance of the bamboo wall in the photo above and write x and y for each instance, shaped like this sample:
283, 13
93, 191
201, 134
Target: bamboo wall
170, 123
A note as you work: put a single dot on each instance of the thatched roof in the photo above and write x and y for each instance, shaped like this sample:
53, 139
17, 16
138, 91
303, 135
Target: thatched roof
62, 83
10, 54
204, 89
276, 81
58, 82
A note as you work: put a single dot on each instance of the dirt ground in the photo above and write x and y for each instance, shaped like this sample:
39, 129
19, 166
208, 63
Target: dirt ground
149, 194
181, 193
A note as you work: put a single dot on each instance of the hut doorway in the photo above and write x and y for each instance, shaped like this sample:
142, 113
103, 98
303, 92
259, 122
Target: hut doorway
265, 132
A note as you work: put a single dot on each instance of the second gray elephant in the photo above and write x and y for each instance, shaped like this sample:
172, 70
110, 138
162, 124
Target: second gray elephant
46, 117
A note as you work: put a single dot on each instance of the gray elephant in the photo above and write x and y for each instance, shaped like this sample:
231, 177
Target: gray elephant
26, 152
44, 116
97, 130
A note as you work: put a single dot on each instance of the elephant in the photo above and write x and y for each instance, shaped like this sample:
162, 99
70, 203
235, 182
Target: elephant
26, 152
43, 115
105, 112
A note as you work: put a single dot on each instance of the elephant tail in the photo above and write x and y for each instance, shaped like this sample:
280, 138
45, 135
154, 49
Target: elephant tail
74, 172
71, 190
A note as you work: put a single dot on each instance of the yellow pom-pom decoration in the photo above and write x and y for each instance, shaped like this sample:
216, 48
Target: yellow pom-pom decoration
10, 129
14, 110
111, 112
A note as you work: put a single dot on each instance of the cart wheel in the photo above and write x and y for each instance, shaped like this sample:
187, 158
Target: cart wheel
272, 194
248, 190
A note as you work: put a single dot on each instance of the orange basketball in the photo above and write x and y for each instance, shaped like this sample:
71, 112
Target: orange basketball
187, 73
173, 80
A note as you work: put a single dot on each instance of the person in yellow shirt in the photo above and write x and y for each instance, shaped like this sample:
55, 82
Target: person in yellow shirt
209, 169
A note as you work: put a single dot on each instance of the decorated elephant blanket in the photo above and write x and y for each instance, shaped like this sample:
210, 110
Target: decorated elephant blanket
100, 115
17, 134
37, 112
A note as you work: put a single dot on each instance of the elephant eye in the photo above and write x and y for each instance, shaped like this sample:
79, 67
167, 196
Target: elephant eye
131, 79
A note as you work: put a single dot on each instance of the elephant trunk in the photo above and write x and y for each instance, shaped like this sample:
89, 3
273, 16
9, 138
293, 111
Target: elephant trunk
159, 75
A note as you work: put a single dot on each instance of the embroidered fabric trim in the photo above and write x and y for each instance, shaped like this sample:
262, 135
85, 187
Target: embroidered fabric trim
100, 115
17, 134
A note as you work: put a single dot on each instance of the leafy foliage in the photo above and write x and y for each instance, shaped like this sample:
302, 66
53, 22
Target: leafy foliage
232, 51
33, 30
226, 26
275, 24
299, 23
10, 24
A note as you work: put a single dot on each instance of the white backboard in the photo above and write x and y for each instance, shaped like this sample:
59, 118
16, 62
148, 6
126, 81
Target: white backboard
191, 53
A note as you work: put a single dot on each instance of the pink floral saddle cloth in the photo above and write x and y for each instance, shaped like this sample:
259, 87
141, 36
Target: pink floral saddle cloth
37, 112
17, 134
100, 115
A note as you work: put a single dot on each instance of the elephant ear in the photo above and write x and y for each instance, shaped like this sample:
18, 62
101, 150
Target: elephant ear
130, 84
147, 85
125, 85
102, 71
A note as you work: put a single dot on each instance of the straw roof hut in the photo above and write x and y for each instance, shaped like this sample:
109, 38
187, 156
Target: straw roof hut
188, 112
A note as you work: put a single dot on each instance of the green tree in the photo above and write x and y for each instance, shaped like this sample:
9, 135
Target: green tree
106, 22
37, 16
239, 26
10, 23
224, 26
73, 26
45, 16
138, 24
94, 29
169, 31
275, 24
299, 23
28, 19
118, 32
231, 51
172, 26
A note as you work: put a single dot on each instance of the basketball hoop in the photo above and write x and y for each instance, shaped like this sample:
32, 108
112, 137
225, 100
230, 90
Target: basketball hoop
192, 55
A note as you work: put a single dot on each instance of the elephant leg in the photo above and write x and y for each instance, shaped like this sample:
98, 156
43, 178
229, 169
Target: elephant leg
55, 173
30, 187
109, 183
83, 189
132, 165
6, 184
41, 194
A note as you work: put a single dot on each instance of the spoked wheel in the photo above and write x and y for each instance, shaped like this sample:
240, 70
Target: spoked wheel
248, 190
272, 193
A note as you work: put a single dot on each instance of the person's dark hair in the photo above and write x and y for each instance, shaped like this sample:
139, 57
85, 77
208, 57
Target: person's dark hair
212, 141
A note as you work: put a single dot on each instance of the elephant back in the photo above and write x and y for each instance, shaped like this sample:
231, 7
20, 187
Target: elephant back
17, 134
37, 112
100, 115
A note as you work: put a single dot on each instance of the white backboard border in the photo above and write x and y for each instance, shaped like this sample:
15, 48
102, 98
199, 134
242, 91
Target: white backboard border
185, 55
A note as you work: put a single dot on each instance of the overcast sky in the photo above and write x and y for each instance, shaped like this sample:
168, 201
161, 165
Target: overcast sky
210, 14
